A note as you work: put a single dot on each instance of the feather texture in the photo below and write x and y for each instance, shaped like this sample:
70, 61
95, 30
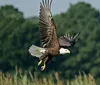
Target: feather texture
47, 26
36, 51
68, 40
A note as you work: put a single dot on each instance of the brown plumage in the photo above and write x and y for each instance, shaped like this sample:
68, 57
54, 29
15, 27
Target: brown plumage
47, 27
68, 40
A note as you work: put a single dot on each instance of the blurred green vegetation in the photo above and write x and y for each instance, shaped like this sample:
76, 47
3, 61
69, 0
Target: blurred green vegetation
17, 34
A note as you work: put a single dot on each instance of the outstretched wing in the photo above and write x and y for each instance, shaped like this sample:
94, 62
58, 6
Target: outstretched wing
47, 26
68, 40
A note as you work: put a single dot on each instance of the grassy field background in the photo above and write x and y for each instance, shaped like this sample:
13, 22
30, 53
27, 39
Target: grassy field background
19, 78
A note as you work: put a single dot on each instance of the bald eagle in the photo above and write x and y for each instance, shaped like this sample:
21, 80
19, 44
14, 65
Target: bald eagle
51, 44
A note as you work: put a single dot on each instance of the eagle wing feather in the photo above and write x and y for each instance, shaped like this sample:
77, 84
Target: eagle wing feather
68, 40
47, 26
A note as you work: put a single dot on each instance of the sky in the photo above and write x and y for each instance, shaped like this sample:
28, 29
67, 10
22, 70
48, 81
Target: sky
31, 7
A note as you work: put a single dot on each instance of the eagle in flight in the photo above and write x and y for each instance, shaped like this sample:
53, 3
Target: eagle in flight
51, 44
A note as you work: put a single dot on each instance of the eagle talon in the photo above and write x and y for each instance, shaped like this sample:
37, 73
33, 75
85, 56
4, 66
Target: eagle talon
39, 62
43, 67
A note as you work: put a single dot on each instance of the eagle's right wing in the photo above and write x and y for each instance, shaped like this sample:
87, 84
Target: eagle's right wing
47, 26
68, 40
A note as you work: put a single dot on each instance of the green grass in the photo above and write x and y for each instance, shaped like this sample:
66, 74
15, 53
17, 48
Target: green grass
19, 79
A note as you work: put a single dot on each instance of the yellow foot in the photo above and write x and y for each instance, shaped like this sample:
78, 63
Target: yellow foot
43, 67
39, 62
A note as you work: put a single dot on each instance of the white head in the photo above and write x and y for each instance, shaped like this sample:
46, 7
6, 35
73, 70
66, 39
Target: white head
64, 51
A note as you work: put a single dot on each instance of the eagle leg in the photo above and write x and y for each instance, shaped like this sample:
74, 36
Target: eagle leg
39, 63
44, 55
45, 61
43, 67
42, 58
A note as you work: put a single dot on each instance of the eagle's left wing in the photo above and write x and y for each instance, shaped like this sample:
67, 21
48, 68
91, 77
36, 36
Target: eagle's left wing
47, 26
68, 40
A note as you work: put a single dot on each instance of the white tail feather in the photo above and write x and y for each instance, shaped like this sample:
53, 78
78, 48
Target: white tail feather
36, 51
